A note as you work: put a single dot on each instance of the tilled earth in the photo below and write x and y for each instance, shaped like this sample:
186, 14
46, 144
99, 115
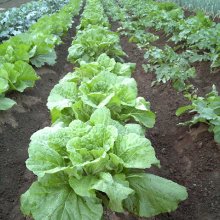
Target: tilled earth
188, 156
18, 124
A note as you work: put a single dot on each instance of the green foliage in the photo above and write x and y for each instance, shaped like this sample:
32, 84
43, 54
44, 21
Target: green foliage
99, 84
17, 20
35, 47
93, 14
169, 66
206, 110
86, 164
17, 76
6, 103
198, 33
209, 6
90, 43
90, 157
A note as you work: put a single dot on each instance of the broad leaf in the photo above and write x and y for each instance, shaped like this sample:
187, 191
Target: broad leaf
52, 198
153, 195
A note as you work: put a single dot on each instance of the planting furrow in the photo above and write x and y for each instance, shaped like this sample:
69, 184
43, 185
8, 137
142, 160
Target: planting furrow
17, 125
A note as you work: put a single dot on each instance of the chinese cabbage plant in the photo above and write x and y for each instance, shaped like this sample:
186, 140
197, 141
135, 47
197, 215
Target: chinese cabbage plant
90, 43
89, 164
99, 84
34, 47
90, 159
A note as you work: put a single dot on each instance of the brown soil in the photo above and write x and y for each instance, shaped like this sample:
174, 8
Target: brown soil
6, 4
18, 124
188, 156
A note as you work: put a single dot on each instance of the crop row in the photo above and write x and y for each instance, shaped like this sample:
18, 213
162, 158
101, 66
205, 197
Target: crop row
34, 47
211, 7
90, 157
17, 20
171, 63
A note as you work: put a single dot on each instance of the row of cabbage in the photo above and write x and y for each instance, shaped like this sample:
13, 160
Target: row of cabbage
35, 47
173, 64
95, 152
17, 20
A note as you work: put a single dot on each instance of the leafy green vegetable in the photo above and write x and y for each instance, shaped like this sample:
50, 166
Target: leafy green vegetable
85, 164
118, 93
6, 103
36, 47
17, 76
17, 20
206, 109
90, 158
93, 14
90, 43
153, 195
53, 198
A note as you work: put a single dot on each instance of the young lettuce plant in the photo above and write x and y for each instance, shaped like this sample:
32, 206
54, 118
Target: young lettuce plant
90, 43
206, 110
87, 165
80, 93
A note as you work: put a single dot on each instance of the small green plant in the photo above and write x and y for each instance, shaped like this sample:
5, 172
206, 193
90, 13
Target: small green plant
206, 110
169, 66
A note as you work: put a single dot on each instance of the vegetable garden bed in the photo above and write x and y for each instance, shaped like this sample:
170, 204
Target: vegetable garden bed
188, 156
19, 123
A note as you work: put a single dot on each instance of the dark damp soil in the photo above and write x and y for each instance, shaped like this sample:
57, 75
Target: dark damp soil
189, 156
6, 4
18, 124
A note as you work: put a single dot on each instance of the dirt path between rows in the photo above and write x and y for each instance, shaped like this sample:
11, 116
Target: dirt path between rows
18, 124
188, 156
6, 4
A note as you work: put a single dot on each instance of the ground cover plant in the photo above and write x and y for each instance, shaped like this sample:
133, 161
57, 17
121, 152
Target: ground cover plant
87, 158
